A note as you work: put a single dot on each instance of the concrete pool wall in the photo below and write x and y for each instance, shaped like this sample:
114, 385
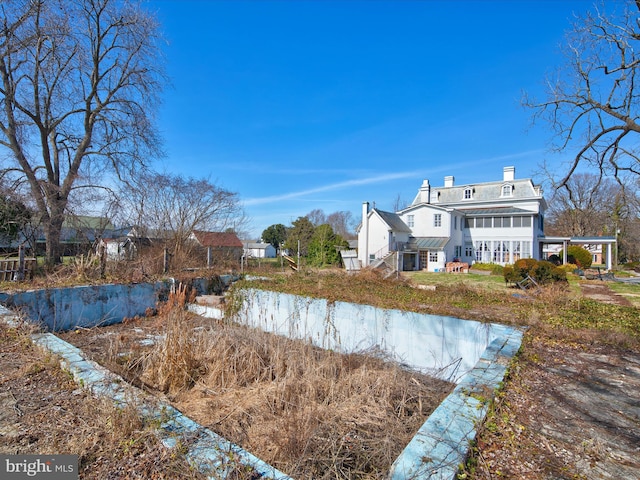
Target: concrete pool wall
474, 355
441, 346
60, 309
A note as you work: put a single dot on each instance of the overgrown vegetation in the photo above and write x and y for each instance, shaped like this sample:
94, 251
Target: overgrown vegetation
311, 413
44, 411
183, 367
555, 309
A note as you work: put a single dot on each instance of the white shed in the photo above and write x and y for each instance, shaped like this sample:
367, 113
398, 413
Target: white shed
259, 250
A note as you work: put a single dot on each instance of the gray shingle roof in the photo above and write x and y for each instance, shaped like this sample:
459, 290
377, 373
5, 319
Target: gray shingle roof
481, 192
393, 220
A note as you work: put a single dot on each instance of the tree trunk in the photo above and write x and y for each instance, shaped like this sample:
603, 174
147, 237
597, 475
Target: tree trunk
53, 233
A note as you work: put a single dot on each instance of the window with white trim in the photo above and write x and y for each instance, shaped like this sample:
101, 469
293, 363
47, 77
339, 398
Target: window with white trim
503, 222
410, 221
433, 256
516, 251
501, 252
468, 193
468, 249
507, 190
437, 220
521, 221
483, 252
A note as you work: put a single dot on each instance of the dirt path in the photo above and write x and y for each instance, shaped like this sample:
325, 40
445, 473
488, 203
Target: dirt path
577, 412
570, 411
598, 290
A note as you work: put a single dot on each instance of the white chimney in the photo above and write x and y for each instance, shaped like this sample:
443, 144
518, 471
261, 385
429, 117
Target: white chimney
509, 174
363, 248
425, 192
448, 181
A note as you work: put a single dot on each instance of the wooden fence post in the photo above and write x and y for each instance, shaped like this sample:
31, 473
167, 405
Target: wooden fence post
20, 274
165, 266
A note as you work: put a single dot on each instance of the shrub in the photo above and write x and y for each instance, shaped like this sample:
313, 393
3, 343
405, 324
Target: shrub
569, 267
555, 259
579, 256
494, 268
509, 274
632, 266
546, 272
482, 266
542, 272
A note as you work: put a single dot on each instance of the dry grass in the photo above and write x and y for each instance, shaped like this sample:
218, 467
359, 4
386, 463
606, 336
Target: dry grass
43, 411
311, 413
314, 414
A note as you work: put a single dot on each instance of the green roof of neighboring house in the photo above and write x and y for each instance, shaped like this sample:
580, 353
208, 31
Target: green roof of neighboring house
85, 221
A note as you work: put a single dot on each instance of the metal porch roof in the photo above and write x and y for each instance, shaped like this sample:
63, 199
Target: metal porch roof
428, 243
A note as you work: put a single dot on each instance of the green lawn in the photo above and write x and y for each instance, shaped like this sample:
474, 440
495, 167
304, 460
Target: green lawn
491, 282
630, 291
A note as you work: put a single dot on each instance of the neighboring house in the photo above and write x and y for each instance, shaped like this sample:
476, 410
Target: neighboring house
601, 248
490, 222
9, 244
259, 250
78, 233
220, 246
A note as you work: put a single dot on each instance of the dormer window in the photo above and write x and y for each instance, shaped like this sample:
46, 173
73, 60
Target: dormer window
507, 190
468, 193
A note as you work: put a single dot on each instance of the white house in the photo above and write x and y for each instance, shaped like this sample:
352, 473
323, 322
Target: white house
490, 222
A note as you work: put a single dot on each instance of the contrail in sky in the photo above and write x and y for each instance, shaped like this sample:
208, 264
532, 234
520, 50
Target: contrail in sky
331, 186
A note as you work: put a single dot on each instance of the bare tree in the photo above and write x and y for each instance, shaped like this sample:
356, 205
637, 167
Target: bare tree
79, 83
174, 206
342, 223
317, 217
594, 206
399, 203
592, 104
587, 210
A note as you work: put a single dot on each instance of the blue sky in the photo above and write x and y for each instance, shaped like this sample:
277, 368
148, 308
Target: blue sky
302, 105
